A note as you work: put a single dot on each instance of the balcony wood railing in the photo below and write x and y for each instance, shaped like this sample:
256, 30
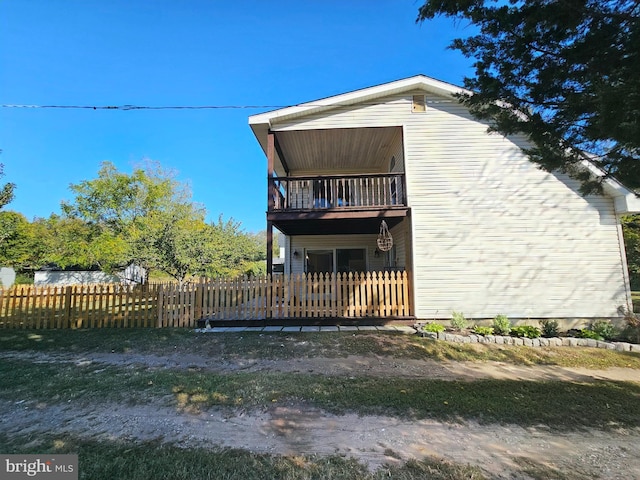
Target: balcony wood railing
338, 192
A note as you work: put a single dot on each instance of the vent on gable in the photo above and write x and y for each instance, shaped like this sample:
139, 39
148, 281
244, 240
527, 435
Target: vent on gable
419, 104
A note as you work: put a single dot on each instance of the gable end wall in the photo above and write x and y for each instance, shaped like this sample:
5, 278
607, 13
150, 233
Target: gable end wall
492, 234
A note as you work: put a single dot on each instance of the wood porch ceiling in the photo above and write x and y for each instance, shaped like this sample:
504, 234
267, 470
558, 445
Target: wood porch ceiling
336, 223
341, 149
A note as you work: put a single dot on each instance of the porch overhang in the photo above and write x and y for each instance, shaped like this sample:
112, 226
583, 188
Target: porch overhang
336, 222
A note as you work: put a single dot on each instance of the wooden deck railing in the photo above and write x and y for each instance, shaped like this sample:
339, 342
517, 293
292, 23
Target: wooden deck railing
352, 296
340, 192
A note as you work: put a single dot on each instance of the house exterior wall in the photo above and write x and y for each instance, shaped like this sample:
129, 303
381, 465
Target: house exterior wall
491, 233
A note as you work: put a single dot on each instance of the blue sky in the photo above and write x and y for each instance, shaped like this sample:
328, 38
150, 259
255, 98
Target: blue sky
188, 53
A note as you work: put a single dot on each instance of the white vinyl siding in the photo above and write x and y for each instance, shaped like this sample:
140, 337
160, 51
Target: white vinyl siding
491, 233
399, 242
389, 112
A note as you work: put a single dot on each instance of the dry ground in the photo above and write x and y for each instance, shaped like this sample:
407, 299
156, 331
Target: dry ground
297, 429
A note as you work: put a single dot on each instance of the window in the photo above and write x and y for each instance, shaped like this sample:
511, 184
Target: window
351, 260
346, 260
319, 261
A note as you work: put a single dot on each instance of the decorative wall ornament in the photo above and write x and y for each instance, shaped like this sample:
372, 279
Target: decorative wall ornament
385, 240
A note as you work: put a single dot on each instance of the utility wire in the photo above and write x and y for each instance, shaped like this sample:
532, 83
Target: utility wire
142, 107
183, 107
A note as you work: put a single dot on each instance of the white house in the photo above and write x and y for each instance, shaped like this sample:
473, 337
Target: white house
480, 228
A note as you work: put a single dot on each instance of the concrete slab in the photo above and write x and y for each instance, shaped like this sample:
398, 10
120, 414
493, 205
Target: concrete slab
291, 329
387, 328
330, 328
367, 328
348, 328
310, 329
272, 328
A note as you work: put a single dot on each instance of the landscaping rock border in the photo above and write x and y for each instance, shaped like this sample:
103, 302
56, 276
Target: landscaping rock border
532, 342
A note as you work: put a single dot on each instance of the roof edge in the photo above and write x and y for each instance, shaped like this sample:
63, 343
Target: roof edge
416, 82
626, 201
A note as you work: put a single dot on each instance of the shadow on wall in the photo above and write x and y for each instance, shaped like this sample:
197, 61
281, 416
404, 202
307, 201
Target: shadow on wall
522, 242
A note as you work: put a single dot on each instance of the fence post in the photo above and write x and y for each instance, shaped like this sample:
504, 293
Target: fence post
159, 303
199, 300
66, 319
269, 313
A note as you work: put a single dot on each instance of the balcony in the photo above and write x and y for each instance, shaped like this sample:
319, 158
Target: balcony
336, 203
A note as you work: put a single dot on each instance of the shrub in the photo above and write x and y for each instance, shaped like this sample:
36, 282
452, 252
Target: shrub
483, 330
632, 332
433, 327
527, 331
501, 325
587, 333
604, 328
549, 328
458, 321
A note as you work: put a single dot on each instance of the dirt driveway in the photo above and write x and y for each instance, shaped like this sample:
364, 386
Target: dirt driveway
500, 450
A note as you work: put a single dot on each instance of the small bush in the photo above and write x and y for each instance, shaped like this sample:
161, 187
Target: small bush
483, 330
632, 332
458, 321
605, 329
433, 327
587, 333
550, 328
527, 331
501, 325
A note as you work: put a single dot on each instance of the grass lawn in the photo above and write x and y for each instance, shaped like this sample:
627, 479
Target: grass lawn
285, 345
108, 460
561, 405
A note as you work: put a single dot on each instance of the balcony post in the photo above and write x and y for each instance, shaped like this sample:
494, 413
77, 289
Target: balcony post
270, 198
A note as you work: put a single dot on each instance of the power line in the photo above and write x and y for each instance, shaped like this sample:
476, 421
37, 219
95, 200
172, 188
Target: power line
144, 107
185, 107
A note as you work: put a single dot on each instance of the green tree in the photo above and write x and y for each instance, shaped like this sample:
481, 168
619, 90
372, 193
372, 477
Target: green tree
117, 200
564, 73
119, 211
16, 240
235, 252
6, 192
70, 242
175, 240
148, 218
